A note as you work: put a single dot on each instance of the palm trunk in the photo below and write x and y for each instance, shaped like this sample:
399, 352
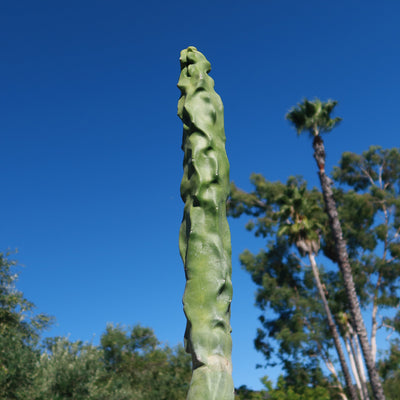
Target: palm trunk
355, 349
332, 369
204, 239
328, 363
374, 329
355, 357
344, 265
333, 329
357, 353
353, 365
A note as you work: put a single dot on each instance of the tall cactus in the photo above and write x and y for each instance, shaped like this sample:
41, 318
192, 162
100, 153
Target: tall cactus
204, 239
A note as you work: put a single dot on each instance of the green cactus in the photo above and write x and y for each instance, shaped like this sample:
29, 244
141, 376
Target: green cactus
204, 239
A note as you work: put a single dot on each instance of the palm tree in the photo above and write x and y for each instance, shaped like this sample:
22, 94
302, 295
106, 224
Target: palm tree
315, 117
304, 233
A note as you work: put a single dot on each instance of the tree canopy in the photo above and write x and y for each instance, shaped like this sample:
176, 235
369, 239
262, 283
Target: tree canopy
128, 363
293, 326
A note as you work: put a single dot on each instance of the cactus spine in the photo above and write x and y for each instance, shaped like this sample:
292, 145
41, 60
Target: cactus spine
204, 239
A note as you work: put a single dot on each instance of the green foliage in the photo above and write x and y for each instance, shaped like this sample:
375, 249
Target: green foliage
285, 214
134, 360
129, 364
283, 391
313, 116
136, 364
244, 393
300, 382
372, 228
67, 370
365, 170
301, 218
20, 330
17, 363
389, 369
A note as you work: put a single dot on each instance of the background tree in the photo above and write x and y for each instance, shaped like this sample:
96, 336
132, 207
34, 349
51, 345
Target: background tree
244, 393
389, 368
130, 363
295, 331
298, 220
368, 207
298, 385
20, 330
375, 174
315, 118
135, 360
67, 370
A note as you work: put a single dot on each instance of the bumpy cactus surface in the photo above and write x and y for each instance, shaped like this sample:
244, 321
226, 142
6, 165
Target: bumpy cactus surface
204, 240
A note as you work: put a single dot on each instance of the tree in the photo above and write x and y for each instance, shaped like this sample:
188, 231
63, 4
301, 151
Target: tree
315, 117
390, 372
244, 393
20, 330
129, 363
204, 239
286, 391
288, 216
67, 370
369, 210
299, 223
375, 175
137, 366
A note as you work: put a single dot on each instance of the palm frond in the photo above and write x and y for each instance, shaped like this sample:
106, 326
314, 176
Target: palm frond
313, 116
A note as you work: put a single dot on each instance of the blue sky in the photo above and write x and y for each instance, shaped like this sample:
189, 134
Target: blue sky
91, 160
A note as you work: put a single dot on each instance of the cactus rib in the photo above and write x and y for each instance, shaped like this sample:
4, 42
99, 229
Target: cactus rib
204, 239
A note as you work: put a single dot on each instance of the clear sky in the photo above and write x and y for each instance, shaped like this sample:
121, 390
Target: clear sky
90, 142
